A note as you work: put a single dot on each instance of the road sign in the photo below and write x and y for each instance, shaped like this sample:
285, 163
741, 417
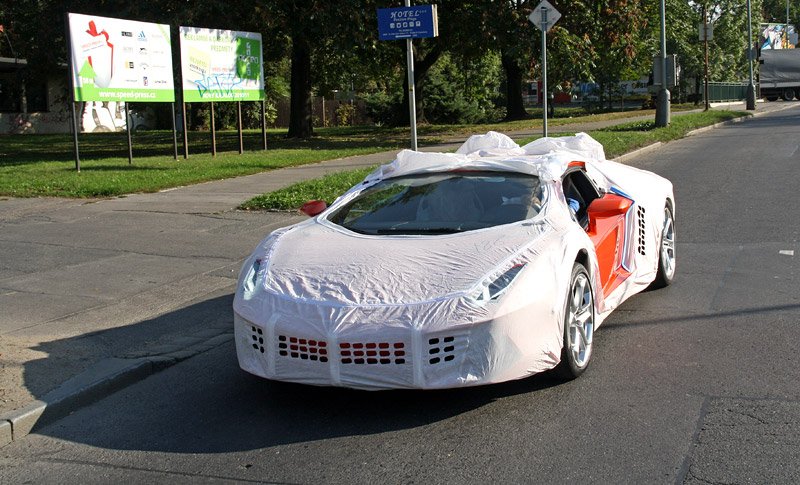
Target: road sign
544, 16
707, 33
408, 22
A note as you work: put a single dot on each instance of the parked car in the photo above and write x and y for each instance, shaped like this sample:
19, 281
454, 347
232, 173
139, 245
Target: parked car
445, 270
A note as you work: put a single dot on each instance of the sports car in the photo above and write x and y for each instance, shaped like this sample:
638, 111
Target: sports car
444, 270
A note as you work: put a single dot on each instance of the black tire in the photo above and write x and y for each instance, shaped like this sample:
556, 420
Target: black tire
787, 94
666, 252
772, 97
577, 349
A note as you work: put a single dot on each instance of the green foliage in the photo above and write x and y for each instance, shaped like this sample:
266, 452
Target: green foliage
463, 90
345, 113
383, 107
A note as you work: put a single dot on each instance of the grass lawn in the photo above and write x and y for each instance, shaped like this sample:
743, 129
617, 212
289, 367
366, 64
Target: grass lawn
43, 165
616, 141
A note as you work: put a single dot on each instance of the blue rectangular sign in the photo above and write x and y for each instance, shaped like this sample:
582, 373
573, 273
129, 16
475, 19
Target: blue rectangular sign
408, 22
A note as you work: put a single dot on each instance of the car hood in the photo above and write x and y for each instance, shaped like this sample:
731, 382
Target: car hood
320, 261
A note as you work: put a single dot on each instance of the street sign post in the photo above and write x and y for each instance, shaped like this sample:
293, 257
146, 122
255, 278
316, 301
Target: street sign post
409, 23
544, 16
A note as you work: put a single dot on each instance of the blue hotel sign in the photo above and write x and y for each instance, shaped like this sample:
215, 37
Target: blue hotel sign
408, 22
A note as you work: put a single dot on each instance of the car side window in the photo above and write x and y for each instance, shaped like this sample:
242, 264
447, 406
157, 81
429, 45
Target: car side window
579, 192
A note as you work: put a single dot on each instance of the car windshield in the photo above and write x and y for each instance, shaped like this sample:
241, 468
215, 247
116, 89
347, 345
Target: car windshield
442, 203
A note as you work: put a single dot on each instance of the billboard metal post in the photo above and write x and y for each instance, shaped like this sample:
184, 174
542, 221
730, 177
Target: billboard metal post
185, 133
73, 117
174, 132
239, 125
213, 133
264, 122
128, 130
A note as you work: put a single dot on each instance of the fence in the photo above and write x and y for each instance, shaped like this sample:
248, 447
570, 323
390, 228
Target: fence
722, 91
326, 112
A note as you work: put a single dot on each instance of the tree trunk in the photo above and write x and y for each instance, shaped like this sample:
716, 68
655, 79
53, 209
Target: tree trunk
300, 119
515, 108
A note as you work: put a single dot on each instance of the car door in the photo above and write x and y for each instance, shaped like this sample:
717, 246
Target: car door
603, 218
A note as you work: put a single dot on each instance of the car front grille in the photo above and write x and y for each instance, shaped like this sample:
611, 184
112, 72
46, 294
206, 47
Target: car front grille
370, 353
303, 349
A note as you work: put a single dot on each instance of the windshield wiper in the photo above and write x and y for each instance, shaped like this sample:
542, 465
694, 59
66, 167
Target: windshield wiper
419, 230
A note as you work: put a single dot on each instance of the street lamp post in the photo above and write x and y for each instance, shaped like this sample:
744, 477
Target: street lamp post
751, 88
662, 107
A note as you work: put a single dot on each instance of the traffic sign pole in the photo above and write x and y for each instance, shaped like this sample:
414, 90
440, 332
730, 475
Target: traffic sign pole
412, 100
544, 71
543, 17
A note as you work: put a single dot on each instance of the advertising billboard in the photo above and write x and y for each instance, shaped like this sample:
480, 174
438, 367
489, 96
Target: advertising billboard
777, 36
221, 65
120, 60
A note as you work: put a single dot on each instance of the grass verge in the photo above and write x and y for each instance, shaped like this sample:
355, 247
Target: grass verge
616, 141
42, 165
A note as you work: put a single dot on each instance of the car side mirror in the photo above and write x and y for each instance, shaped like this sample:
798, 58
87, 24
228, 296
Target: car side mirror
314, 207
609, 205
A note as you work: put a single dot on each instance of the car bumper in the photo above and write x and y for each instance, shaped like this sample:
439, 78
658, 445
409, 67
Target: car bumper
392, 358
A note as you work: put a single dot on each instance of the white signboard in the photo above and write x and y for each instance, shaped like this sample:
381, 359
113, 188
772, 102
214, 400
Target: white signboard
706, 33
544, 16
120, 60
221, 65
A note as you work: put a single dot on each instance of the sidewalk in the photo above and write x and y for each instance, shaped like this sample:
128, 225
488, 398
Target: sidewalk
96, 294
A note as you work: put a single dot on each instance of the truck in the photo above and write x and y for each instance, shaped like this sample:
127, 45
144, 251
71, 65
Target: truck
779, 74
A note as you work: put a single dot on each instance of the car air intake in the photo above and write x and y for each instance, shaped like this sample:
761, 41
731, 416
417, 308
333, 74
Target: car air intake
359, 353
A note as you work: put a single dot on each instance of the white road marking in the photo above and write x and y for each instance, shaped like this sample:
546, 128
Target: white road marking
786, 252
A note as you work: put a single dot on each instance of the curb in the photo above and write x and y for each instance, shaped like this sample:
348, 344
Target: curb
102, 379
639, 151
113, 374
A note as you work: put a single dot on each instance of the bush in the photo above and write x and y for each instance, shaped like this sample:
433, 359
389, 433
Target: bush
382, 108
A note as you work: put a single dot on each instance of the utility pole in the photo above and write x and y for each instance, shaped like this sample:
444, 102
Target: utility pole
662, 106
705, 49
751, 88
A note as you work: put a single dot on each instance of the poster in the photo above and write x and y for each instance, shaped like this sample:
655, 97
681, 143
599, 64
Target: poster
120, 60
221, 65
778, 36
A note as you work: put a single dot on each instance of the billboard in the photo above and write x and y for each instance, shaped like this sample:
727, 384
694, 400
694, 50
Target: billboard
777, 36
221, 65
120, 60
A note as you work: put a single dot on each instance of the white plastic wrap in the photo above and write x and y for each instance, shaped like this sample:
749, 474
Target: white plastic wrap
319, 304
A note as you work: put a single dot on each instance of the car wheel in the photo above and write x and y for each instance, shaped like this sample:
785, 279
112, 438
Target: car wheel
578, 325
666, 252
787, 94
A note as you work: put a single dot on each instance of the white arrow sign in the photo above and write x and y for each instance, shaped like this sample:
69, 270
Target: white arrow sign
544, 15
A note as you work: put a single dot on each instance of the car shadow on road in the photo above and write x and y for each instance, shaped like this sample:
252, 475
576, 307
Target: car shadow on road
207, 404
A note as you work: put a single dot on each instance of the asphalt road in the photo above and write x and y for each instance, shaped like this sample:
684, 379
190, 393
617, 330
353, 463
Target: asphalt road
696, 383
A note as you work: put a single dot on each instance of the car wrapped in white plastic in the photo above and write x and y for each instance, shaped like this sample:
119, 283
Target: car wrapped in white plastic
445, 270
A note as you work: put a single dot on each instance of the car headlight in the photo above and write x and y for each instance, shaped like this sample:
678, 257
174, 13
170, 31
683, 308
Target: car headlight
250, 280
493, 287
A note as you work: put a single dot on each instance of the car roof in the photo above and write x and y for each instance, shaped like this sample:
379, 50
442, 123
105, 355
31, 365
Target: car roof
546, 157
